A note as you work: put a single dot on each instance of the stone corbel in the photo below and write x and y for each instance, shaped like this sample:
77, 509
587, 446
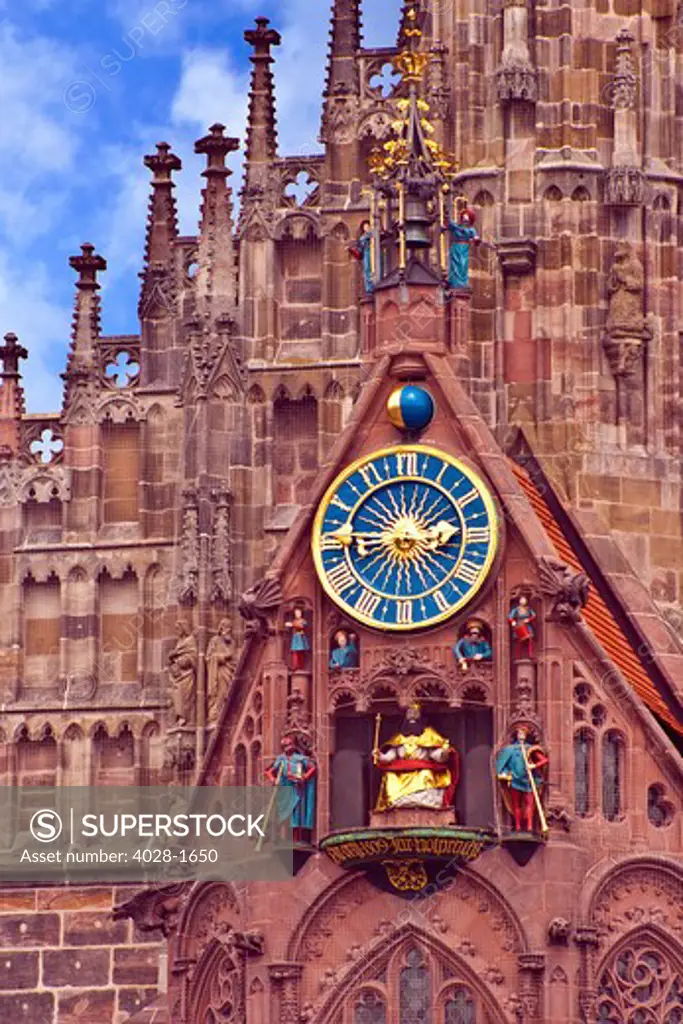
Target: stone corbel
517, 256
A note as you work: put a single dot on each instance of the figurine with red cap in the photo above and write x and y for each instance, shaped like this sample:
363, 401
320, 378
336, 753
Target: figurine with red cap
463, 234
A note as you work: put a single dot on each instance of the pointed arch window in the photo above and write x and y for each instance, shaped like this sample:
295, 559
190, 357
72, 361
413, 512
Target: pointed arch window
415, 990
612, 775
370, 1008
583, 758
460, 1007
414, 985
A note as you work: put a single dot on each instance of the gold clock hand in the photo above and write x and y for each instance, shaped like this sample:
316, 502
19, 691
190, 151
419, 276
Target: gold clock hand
440, 534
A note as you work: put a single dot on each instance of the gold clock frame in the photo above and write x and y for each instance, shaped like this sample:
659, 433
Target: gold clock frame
477, 482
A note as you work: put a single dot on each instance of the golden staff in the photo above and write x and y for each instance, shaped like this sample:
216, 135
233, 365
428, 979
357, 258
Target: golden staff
401, 226
271, 804
534, 789
378, 722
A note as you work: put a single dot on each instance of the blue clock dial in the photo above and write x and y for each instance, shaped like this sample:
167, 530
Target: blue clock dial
405, 537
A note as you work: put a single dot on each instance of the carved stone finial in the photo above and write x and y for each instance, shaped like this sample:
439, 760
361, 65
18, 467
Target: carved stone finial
162, 163
88, 264
86, 319
216, 145
10, 354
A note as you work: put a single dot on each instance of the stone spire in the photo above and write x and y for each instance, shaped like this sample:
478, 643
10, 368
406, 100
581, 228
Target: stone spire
345, 40
262, 122
162, 221
86, 319
11, 394
216, 285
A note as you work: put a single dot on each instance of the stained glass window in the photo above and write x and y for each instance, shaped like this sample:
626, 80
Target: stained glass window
611, 776
583, 751
415, 991
370, 1008
460, 1008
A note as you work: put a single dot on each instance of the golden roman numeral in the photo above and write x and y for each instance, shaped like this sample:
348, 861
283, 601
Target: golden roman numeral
406, 463
404, 613
338, 503
341, 578
370, 475
441, 602
465, 500
469, 572
329, 542
368, 603
478, 534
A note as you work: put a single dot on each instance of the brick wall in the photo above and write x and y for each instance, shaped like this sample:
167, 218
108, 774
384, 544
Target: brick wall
64, 960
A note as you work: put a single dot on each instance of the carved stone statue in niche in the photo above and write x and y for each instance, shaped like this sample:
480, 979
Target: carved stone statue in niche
220, 658
626, 323
182, 670
625, 286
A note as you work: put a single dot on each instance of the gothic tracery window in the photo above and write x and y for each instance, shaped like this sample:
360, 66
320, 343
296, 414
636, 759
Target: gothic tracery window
640, 986
413, 986
612, 764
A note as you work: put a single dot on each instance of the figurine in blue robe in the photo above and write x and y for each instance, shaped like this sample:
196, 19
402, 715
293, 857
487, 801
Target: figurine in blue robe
462, 235
295, 773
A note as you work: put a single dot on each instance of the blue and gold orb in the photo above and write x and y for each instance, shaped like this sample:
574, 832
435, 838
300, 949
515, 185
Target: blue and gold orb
410, 408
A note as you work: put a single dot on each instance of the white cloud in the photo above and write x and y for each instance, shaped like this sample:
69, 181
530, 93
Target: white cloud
41, 324
211, 89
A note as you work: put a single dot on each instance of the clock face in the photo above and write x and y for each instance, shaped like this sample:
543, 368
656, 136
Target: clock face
405, 537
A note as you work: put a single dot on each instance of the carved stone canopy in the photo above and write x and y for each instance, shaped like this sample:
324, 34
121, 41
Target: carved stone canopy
624, 186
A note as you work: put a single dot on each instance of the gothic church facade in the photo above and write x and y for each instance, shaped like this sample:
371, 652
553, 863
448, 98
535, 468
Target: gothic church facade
156, 539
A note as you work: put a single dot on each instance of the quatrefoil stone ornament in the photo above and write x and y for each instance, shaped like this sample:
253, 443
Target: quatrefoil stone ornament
301, 189
46, 448
123, 370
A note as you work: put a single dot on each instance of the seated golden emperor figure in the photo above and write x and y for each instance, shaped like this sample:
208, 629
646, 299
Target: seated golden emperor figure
419, 767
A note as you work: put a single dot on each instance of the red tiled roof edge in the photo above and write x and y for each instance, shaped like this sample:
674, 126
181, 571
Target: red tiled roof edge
597, 614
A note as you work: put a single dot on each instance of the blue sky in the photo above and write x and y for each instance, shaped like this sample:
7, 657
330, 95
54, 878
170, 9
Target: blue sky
87, 87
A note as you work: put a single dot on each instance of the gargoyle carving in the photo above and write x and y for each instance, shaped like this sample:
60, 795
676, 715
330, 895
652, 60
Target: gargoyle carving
568, 589
258, 602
